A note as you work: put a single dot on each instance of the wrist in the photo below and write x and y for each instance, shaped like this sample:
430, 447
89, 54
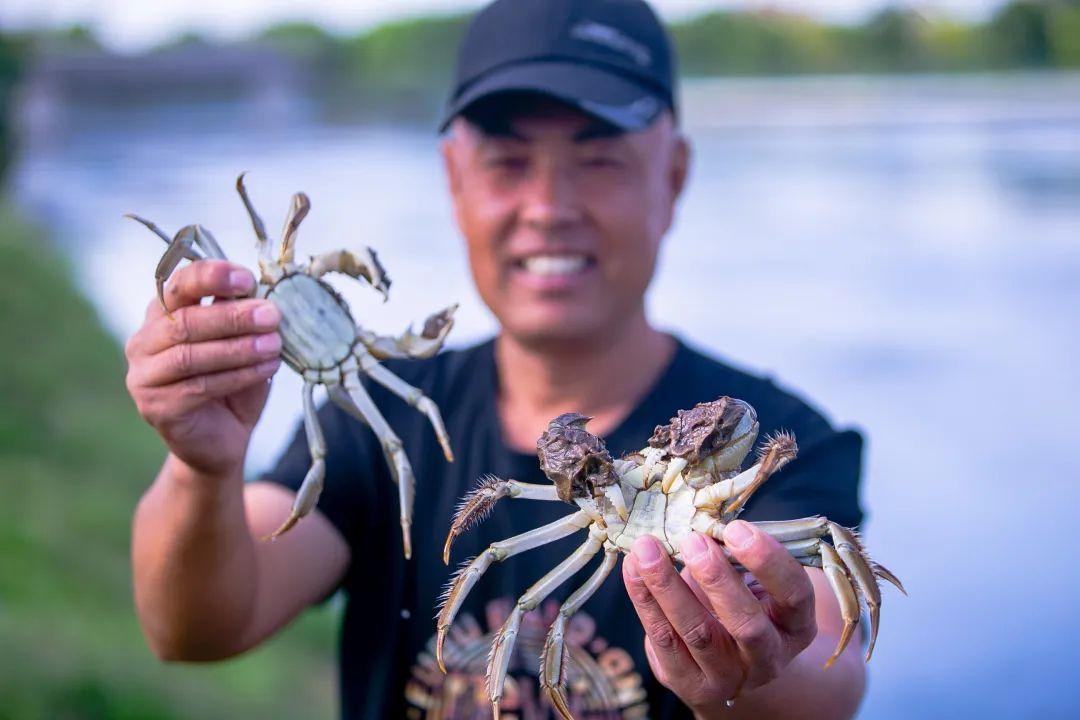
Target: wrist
210, 485
183, 500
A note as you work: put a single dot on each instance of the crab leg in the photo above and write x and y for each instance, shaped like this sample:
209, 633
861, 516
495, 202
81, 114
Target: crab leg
297, 212
479, 502
208, 243
363, 265
846, 564
353, 399
712, 497
553, 658
308, 494
181, 247
503, 646
263, 242
409, 394
782, 531
777, 452
845, 594
859, 570
409, 344
467, 577
160, 233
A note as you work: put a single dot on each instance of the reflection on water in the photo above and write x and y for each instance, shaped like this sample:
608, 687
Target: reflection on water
904, 252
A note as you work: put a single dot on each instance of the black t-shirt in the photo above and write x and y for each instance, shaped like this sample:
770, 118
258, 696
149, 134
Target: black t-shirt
387, 667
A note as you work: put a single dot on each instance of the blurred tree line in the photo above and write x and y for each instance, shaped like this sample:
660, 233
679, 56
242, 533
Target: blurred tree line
407, 64
414, 55
1023, 34
11, 60
74, 459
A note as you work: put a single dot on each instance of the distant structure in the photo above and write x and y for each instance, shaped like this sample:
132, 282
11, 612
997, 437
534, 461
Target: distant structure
188, 88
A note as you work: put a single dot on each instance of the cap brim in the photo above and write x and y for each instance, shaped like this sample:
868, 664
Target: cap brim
597, 92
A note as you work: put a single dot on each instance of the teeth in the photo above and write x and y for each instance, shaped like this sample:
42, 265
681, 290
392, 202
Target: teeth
554, 264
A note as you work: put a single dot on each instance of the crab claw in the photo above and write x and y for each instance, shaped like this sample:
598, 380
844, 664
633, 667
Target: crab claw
437, 325
618, 501
375, 273
181, 246
671, 474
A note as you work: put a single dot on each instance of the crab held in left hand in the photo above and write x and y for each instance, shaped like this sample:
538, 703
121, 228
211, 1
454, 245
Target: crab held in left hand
687, 480
321, 341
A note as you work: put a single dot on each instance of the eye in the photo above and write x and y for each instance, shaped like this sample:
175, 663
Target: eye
601, 161
507, 162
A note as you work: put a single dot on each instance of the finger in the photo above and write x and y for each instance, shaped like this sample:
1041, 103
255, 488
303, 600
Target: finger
675, 664
753, 585
695, 588
206, 278
738, 611
198, 323
191, 393
697, 627
790, 592
188, 360
654, 662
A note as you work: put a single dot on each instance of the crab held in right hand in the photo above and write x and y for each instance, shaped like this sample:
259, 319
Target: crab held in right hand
322, 342
686, 481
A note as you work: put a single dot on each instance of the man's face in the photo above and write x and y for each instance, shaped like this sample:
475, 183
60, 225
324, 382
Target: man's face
563, 216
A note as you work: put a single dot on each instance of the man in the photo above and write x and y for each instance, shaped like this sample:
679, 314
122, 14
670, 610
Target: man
565, 163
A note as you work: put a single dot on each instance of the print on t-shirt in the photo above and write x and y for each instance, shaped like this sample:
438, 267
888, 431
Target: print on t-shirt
601, 681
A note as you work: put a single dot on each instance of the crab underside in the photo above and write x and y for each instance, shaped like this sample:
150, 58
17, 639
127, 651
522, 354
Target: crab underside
322, 342
687, 479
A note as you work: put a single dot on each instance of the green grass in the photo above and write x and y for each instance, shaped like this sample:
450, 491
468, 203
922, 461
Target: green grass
74, 459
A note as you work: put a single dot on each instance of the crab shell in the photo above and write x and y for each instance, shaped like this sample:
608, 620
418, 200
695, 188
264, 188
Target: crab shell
317, 330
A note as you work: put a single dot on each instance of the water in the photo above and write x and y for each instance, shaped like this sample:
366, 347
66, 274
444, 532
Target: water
905, 252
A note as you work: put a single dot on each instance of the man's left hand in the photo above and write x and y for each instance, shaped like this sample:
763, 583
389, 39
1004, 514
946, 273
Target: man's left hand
708, 636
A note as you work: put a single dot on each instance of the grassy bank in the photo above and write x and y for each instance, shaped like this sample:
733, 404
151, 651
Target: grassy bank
74, 458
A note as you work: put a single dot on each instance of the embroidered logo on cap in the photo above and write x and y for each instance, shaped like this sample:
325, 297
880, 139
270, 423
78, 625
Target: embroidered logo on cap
611, 38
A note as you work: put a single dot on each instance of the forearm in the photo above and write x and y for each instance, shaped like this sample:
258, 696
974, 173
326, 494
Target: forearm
195, 571
805, 689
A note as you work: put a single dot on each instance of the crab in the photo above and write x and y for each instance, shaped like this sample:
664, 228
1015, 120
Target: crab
322, 342
687, 479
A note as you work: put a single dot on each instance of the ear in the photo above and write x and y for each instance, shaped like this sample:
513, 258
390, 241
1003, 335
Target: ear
451, 158
680, 166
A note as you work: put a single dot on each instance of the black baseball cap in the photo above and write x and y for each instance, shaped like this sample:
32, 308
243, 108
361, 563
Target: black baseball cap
609, 58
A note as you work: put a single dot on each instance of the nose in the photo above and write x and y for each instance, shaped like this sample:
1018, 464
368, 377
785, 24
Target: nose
552, 198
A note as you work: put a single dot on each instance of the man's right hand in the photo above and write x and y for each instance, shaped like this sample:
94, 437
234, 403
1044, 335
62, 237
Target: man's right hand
200, 378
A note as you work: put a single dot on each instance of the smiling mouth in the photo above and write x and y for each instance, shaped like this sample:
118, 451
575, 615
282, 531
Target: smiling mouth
555, 265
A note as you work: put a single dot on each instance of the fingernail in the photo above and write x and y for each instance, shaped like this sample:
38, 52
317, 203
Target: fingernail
694, 547
268, 343
266, 315
646, 550
241, 280
738, 534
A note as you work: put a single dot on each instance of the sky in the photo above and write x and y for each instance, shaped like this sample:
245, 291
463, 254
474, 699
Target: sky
137, 24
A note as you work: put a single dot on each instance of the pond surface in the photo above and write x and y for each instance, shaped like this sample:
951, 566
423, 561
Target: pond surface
904, 252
